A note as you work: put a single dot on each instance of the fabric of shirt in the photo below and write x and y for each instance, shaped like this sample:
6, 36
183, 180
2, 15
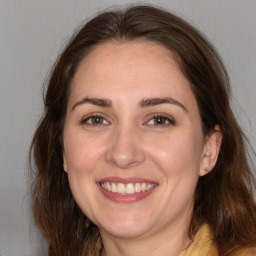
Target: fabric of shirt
204, 245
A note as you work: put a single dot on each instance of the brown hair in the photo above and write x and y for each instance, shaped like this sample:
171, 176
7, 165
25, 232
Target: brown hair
224, 197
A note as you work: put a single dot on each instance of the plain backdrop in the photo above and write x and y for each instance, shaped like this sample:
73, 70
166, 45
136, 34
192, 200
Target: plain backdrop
32, 33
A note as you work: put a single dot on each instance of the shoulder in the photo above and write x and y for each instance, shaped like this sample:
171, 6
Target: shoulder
203, 244
244, 252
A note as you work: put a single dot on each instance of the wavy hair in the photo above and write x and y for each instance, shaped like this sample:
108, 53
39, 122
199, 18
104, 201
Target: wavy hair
223, 198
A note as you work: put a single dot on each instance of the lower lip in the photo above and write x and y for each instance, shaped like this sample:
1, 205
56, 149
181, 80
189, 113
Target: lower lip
130, 198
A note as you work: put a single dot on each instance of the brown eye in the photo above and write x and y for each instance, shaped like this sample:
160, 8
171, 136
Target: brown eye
159, 120
95, 120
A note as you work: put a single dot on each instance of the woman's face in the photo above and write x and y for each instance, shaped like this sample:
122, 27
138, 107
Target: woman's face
133, 142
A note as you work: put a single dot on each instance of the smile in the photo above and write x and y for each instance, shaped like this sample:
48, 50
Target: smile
126, 189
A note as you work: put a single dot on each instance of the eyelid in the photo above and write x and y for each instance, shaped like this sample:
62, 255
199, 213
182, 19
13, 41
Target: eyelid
171, 120
85, 118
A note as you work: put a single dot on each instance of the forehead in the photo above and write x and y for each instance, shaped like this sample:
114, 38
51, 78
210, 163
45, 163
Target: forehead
134, 48
136, 68
128, 53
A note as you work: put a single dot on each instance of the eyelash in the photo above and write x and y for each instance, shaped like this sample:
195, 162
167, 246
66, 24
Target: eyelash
85, 120
104, 121
165, 118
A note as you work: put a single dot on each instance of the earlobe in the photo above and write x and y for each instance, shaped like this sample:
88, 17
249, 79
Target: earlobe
64, 167
64, 161
211, 150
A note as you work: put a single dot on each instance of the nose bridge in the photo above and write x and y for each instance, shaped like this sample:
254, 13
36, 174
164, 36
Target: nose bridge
125, 150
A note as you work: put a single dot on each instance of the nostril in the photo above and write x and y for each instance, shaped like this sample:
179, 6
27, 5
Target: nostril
125, 150
124, 158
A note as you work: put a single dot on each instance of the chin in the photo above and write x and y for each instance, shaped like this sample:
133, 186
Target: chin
126, 228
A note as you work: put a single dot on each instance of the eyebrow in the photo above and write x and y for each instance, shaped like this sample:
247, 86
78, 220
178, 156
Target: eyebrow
105, 103
157, 101
94, 101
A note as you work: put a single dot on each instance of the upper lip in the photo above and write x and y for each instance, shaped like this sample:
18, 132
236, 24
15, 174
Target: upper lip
126, 180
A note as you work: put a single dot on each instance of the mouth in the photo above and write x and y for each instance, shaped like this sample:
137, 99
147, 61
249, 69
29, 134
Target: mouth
126, 190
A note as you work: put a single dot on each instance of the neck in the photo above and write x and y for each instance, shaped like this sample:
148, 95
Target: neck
165, 243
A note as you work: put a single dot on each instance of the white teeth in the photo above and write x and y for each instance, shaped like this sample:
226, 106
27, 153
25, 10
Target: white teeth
137, 187
113, 188
149, 186
129, 189
126, 189
108, 186
120, 188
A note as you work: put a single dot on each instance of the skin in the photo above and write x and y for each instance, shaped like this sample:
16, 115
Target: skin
128, 143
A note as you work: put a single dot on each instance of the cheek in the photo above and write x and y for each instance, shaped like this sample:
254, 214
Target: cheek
82, 153
82, 156
176, 159
176, 154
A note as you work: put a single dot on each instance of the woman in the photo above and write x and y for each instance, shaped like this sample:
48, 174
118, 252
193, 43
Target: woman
138, 151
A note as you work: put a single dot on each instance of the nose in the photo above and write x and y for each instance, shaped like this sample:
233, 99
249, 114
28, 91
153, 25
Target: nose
125, 150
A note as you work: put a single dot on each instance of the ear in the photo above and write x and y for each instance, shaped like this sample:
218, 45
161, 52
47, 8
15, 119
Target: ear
64, 161
211, 150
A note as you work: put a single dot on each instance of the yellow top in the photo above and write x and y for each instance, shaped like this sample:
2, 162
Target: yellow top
203, 245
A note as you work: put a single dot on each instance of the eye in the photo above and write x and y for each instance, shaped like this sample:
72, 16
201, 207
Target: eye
161, 120
94, 120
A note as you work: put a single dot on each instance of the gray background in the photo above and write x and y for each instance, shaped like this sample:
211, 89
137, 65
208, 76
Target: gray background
32, 33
